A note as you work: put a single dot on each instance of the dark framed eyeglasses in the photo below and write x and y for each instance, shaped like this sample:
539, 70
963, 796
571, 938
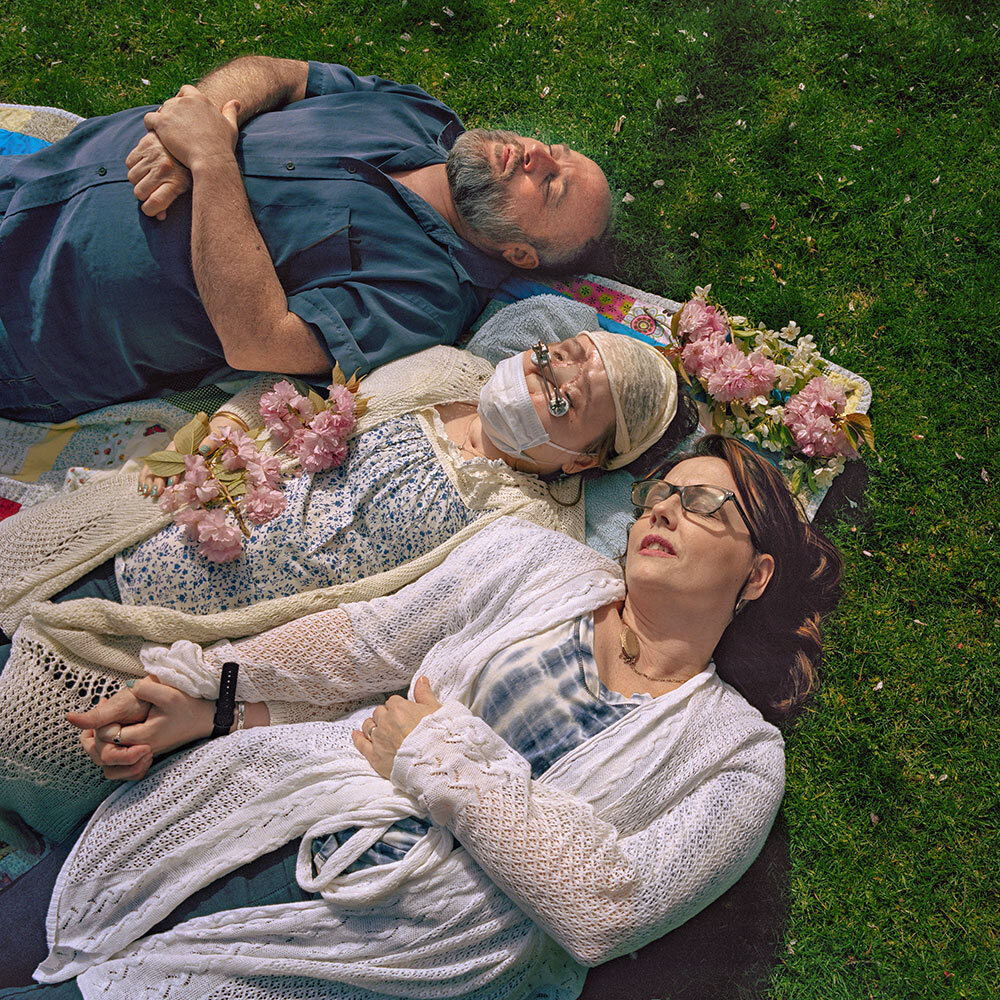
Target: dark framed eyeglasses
695, 498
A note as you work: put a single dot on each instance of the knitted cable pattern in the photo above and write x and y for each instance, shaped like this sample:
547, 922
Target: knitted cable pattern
621, 839
592, 888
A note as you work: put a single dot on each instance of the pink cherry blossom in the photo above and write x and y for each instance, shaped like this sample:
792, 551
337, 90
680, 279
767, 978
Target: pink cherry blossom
317, 452
275, 409
265, 470
238, 447
730, 378
189, 520
342, 405
763, 374
218, 540
181, 494
208, 491
703, 355
700, 319
811, 415
196, 470
263, 504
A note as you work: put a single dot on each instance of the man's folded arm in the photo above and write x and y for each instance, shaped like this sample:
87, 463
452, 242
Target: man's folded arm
259, 83
237, 282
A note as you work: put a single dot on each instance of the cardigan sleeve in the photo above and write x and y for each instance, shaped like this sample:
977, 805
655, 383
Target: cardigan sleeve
598, 893
372, 647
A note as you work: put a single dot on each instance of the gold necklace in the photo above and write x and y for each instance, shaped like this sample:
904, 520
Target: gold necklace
629, 642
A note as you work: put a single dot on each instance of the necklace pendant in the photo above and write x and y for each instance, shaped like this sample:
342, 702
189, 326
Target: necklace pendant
630, 645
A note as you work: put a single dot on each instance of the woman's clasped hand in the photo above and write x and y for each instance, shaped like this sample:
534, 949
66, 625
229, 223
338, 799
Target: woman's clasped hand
381, 736
125, 732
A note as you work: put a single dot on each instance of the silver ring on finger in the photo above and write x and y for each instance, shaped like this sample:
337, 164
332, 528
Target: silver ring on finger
368, 732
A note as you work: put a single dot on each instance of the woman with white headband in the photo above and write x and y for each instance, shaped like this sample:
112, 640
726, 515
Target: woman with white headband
448, 444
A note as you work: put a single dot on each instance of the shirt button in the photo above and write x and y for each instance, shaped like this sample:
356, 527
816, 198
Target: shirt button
101, 171
289, 165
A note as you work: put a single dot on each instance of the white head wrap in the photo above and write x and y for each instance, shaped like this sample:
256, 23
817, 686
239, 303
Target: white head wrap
644, 390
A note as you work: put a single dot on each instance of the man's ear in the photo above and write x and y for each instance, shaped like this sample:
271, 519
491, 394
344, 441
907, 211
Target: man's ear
522, 255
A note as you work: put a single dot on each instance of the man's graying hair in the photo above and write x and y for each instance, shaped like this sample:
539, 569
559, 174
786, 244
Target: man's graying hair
485, 206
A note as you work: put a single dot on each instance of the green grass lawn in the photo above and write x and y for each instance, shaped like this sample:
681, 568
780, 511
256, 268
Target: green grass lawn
828, 162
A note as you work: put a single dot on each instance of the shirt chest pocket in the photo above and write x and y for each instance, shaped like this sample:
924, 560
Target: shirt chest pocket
308, 238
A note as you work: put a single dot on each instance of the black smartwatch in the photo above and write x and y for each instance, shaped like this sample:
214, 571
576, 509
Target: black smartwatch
225, 707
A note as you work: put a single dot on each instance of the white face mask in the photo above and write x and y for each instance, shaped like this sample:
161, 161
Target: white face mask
508, 416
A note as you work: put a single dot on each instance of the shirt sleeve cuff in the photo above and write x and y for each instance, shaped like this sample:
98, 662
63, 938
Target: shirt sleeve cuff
329, 78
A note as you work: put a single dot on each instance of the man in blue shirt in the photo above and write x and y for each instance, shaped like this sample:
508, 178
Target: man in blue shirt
289, 215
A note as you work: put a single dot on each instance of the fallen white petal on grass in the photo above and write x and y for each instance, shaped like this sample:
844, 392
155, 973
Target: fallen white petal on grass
658, 183
878, 687
937, 180
961, 458
865, 552
856, 148
617, 127
717, 196
628, 198
984, 475
917, 621
680, 99
745, 205
144, 82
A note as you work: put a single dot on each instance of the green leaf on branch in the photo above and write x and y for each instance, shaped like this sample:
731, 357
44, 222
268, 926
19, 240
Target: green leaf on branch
165, 463
859, 424
796, 481
187, 439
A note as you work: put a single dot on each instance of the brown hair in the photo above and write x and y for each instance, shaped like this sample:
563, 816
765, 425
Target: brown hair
770, 652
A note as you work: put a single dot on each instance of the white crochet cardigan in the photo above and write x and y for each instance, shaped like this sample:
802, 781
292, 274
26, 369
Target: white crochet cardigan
67, 656
620, 841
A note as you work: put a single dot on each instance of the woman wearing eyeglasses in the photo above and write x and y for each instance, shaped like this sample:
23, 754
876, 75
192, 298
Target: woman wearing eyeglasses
584, 761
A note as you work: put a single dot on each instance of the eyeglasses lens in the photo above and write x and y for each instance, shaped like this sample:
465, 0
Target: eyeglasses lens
696, 499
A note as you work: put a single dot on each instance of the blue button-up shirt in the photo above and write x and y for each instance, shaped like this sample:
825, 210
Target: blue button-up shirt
99, 302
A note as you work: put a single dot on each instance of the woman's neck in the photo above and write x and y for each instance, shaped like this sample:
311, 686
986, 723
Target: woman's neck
639, 648
463, 426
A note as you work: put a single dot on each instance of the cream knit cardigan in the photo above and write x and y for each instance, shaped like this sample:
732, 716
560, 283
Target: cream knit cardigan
67, 656
621, 840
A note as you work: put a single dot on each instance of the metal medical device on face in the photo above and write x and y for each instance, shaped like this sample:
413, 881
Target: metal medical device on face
558, 403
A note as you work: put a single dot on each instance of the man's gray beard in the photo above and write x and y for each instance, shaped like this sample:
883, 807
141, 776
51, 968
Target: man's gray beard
482, 198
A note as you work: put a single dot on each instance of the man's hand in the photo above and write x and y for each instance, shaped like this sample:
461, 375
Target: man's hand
156, 177
192, 129
124, 733
381, 736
